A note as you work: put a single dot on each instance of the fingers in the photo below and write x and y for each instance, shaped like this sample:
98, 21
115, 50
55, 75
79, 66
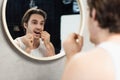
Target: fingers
73, 37
73, 40
28, 40
45, 36
29, 36
44, 33
73, 44
79, 40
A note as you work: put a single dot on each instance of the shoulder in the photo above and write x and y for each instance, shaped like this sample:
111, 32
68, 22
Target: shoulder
92, 65
19, 41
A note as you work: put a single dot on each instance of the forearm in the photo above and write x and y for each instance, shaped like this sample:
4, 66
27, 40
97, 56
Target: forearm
50, 49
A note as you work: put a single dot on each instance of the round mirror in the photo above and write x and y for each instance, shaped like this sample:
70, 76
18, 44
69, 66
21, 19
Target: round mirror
62, 18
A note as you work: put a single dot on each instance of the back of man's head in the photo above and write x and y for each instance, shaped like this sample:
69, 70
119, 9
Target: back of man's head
107, 13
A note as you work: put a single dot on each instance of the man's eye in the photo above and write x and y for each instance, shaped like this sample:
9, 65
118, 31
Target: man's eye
34, 22
41, 23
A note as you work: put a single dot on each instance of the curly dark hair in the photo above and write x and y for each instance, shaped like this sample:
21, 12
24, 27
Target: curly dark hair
107, 13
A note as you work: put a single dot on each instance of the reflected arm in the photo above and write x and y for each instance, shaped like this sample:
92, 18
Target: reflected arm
50, 49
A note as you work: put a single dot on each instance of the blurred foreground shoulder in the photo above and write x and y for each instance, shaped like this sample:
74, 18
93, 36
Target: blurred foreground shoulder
92, 65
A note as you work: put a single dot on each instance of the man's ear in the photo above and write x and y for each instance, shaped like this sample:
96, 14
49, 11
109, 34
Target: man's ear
94, 14
25, 25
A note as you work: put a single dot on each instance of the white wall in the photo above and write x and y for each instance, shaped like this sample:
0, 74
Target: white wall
16, 66
69, 24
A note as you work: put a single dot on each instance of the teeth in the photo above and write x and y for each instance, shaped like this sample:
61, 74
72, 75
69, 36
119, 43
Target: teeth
37, 32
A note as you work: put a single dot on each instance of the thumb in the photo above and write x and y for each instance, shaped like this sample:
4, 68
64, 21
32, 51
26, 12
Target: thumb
79, 40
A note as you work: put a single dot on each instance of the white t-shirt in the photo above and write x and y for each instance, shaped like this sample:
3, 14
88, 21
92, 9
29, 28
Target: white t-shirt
114, 50
38, 52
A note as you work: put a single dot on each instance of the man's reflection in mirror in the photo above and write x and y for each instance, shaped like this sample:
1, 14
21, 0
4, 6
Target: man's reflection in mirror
36, 41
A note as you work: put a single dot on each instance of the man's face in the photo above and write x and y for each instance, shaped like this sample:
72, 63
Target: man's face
35, 25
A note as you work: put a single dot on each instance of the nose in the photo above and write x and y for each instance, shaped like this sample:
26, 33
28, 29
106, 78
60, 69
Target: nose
39, 27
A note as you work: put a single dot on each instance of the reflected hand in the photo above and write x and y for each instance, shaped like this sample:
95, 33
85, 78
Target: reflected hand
72, 45
45, 36
28, 41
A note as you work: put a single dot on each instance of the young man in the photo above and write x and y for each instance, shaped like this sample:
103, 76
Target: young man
36, 41
103, 62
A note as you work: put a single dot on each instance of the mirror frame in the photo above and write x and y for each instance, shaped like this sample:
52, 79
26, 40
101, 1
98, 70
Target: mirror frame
59, 55
82, 15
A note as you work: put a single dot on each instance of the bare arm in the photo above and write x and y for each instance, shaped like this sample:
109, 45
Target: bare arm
25, 42
28, 42
49, 46
72, 45
50, 49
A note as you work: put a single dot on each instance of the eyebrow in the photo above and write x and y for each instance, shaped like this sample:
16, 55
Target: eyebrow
36, 20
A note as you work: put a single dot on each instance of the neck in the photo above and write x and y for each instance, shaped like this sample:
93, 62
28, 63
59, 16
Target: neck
100, 36
112, 37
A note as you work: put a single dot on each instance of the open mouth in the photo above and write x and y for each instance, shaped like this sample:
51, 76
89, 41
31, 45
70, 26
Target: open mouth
36, 32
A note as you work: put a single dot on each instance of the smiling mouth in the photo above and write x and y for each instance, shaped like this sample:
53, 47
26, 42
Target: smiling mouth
36, 32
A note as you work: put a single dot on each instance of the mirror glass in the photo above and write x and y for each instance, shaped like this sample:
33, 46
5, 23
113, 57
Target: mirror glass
62, 18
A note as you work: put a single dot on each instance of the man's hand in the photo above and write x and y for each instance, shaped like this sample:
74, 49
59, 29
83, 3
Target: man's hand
28, 41
45, 36
72, 45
